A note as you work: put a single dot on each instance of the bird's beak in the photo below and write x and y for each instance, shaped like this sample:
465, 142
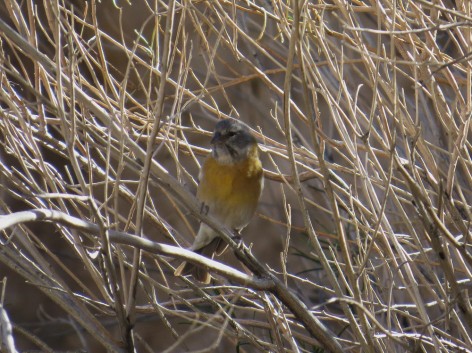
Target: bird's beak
216, 138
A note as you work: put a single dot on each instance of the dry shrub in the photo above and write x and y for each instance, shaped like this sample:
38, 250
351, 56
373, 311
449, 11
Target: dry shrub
363, 111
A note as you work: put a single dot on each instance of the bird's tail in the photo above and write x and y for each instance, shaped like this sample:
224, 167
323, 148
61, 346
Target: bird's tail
200, 273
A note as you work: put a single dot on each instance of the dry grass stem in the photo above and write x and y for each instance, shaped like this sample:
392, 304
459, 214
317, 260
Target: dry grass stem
362, 239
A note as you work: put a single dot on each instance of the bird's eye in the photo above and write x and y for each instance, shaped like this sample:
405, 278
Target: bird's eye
231, 133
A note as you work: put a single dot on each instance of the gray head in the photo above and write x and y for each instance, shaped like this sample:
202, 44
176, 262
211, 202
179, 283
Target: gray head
232, 141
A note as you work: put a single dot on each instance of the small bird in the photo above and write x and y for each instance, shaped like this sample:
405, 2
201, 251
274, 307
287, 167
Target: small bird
231, 182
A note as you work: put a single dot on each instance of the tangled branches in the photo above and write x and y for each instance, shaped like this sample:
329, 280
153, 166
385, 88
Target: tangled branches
362, 110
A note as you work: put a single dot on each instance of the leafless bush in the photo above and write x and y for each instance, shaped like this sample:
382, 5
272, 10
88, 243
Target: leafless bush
361, 241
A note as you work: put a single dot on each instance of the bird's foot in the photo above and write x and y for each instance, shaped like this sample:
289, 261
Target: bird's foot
237, 238
204, 209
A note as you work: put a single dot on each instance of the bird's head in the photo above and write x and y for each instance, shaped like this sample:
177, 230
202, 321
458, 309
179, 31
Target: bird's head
232, 141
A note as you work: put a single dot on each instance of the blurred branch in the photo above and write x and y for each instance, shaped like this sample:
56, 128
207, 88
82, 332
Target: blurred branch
7, 343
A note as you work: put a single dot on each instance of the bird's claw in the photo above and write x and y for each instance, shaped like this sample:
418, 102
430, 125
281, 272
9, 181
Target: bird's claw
204, 209
237, 239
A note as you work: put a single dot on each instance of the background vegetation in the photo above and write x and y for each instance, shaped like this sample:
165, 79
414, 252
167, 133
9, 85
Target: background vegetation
363, 112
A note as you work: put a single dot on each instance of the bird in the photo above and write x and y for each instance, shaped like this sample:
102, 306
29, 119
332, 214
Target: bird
230, 185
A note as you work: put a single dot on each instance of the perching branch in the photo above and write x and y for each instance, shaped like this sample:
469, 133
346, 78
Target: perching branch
263, 281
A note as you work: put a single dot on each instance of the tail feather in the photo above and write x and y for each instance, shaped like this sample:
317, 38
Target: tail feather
200, 273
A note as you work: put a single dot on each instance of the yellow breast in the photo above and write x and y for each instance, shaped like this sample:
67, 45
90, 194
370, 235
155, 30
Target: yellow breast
231, 191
